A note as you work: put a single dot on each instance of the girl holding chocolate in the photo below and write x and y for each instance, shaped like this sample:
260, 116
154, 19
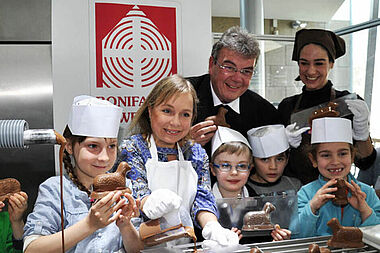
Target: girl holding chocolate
332, 153
89, 226
169, 170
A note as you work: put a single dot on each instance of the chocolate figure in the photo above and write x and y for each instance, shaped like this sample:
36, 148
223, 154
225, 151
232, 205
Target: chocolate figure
344, 237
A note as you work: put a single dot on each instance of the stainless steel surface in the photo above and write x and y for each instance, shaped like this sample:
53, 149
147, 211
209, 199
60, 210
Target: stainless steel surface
288, 246
39, 136
25, 20
26, 92
302, 245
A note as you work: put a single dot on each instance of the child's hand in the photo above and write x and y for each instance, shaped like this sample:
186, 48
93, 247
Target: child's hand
357, 200
103, 211
18, 203
322, 196
279, 234
128, 210
1, 205
237, 231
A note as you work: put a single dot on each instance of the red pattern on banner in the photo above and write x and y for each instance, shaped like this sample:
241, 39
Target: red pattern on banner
107, 16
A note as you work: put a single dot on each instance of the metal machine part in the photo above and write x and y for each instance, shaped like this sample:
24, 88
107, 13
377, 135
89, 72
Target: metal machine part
288, 246
16, 134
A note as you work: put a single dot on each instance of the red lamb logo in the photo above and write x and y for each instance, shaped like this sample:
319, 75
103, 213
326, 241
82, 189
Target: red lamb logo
135, 53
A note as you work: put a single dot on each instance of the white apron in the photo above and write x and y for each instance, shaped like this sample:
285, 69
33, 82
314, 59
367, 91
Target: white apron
178, 176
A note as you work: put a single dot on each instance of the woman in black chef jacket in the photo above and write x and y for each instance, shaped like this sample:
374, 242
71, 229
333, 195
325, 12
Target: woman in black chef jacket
315, 51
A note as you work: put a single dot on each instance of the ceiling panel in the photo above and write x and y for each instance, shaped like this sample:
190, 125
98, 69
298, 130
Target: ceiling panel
306, 10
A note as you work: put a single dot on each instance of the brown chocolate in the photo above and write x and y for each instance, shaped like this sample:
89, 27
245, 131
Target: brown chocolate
259, 220
328, 111
314, 248
151, 233
220, 118
255, 250
344, 237
9, 186
341, 194
62, 142
105, 183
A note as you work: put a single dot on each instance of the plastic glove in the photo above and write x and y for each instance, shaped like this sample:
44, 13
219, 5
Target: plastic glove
360, 125
294, 135
161, 202
215, 232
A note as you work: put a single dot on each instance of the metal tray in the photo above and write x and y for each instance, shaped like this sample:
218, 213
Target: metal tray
288, 246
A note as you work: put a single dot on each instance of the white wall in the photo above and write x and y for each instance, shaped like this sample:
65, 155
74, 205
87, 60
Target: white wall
71, 49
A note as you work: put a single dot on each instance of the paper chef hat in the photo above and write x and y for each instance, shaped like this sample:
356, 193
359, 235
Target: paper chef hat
267, 141
225, 134
331, 129
94, 117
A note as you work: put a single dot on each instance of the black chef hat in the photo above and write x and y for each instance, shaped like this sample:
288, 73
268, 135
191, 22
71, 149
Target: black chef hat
335, 45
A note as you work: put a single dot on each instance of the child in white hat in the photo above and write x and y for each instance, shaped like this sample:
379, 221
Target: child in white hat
270, 149
332, 153
91, 150
231, 163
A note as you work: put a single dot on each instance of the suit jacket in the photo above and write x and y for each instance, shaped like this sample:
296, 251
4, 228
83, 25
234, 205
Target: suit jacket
255, 111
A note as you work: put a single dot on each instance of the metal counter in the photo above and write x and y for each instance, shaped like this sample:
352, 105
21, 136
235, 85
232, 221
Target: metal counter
292, 246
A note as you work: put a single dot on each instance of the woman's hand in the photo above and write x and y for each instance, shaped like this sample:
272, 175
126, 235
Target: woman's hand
18, 203
322, 196
103, 211
237, 231
279, 234
128, 211
357, 200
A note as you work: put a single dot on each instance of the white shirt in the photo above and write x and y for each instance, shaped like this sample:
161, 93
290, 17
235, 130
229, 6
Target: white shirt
234, 104
218, 195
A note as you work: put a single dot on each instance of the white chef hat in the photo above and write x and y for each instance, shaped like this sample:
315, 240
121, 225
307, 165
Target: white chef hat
267, 141
331, 129
224, 135
94, 117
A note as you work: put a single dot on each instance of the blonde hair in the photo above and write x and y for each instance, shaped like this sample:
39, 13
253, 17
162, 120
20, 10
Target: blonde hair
163, 91
233, 147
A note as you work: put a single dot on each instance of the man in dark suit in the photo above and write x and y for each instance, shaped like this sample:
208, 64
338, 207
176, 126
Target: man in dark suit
231, 66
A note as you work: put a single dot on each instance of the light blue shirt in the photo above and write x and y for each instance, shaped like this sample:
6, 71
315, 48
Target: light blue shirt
46, 217
316, 224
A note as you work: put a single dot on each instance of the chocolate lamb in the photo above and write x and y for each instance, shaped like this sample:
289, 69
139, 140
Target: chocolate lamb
314, 248
220, 118
8, 186
105, 183
328, 111
341, 194
259, 220
344, 237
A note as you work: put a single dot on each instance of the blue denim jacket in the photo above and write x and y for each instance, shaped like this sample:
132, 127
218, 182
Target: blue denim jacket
46, 219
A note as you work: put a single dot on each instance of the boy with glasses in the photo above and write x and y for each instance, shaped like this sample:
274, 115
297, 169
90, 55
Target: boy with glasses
230, 163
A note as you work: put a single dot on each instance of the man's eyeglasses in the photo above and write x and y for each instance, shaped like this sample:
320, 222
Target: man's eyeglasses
232, 69
226, 167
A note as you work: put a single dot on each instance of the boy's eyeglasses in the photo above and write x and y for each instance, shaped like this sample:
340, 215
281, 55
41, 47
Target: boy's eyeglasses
226, 167
233, 69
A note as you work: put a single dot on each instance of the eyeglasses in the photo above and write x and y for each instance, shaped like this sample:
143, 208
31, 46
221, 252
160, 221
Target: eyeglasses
232, 69
226, 167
